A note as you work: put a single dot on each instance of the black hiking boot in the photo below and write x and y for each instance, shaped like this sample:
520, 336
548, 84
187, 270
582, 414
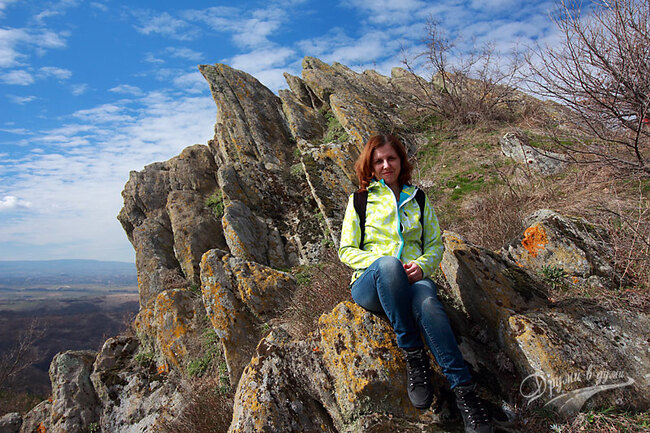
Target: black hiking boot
472, 409
418, 370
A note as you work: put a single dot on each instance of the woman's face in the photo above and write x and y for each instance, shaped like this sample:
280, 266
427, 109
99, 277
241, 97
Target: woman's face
386, 165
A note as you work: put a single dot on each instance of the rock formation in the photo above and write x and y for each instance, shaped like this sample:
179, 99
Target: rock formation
516, 145
215, 229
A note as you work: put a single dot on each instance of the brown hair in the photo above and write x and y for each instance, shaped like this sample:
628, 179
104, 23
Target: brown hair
363, 165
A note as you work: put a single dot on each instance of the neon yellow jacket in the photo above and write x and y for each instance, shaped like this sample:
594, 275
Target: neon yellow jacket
389, 232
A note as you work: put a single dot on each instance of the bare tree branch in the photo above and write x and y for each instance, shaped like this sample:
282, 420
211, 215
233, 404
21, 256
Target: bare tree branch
465, 87
22, 355
601, 72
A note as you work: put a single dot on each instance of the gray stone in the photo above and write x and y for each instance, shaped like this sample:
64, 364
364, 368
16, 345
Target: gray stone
75, 405
10, 423
39, 417
572, 244
132, 398
515, 145
239, 297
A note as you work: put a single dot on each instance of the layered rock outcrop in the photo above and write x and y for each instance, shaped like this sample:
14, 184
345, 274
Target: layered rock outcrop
216, 228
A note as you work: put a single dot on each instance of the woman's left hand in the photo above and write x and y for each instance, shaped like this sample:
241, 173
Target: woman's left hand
413, 272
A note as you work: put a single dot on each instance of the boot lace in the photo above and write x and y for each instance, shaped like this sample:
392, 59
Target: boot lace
474, 410
417, 366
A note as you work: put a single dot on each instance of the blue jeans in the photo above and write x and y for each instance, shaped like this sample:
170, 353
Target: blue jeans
411, 308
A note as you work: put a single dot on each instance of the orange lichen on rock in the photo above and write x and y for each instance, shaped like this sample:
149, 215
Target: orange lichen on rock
535, 239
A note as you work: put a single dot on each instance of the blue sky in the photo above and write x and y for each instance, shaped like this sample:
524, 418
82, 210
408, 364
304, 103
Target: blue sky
93, 89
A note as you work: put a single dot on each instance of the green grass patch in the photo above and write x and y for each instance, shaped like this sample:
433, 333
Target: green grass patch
483, 145
215, 202
145, 359
463, 185
211, 352
553, 275
335, 131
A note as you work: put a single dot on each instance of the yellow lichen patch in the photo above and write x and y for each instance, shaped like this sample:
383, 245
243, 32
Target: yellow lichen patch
535, 239
172, 315
360, 352
144, 323
540, 353
454, 241
215, 295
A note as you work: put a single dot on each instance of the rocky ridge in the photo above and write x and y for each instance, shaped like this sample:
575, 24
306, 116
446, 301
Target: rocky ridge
277, 174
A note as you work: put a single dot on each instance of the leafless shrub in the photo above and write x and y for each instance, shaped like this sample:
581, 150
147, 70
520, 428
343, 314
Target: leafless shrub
464, 86
320, 288
498, 214
22, 355
207, 409
628, 224
600, 70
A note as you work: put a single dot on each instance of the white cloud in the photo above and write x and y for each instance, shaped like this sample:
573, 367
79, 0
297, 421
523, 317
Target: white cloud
20, 131
21, 99
10, 202
260, 60
77, 188
192, 82
52, 71
267, 65
249, 28
388, 12
152, 22
17, 77
150, 58
219, 18
373, 46
13, 41
126, 89
254, 32
106, 113
102, 7
4, 4
491, 4
54, 9
9, 38
79, 89
184, 53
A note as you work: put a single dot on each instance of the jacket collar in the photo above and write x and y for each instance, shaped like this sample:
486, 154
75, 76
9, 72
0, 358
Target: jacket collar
409, 189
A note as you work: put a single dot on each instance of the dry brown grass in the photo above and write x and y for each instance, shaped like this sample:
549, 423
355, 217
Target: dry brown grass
595, 421
172, 279
320, 288
207, 409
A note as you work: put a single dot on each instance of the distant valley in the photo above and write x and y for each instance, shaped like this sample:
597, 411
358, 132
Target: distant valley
77, 304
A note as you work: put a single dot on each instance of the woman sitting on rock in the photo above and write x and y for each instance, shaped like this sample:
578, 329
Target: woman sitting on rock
391, 238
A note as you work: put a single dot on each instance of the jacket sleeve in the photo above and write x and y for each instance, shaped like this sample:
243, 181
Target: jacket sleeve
350, 251
433, 246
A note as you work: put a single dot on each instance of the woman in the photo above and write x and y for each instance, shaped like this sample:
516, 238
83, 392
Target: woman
400, 249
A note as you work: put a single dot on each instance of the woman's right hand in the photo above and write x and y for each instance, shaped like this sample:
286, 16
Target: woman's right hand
413, 272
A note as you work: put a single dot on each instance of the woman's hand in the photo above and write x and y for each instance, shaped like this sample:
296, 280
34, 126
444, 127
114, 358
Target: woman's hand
413, 272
